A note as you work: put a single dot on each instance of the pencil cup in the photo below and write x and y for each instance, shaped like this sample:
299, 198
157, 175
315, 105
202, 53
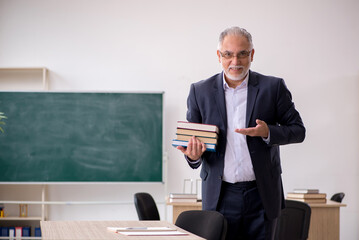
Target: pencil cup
23, 210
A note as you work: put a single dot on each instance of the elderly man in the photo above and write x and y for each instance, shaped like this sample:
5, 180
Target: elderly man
255, 114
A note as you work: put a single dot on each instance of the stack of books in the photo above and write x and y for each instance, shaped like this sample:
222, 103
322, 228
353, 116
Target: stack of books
182, 197
206, 133
307, 195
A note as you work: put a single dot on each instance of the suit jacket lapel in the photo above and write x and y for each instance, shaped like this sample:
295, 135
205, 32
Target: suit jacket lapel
252, 95
218, 94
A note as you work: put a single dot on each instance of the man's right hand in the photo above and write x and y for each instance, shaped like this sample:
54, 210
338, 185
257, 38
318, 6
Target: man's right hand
194, 150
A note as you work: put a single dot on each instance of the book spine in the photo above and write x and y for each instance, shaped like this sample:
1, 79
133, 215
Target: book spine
26, 231
183, 195
209, 140
306, 190
307, 195
11, 231
191, 133
197, 126
209, 147
18, 232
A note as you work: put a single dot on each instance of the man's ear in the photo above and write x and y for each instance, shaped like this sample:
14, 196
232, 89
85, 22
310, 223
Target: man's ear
219, 56
252, 54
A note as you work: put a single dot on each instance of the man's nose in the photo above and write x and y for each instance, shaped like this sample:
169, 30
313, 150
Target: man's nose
235, 60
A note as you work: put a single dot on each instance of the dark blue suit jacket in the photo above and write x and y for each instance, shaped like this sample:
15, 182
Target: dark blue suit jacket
268, 100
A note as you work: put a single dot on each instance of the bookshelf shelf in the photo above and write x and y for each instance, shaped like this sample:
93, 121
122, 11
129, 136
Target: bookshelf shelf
42, 203
31, 218
19, 238
24, 72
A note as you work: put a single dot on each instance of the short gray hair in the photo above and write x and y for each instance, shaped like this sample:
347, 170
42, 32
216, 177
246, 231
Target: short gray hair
237, 31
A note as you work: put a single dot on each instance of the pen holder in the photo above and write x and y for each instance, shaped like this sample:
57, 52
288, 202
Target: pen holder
23, 210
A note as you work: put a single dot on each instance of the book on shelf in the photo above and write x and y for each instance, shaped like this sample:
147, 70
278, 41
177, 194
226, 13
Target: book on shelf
202, 139
183, 195
11, 232
196, 133
197, 126
37, 232
309, 200
304, 190
306, 195
209, 147
4, 231
18, 232
26, 231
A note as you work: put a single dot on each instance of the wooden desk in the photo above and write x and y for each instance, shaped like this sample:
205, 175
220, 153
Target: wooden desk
324, 222
179, 207
81, 230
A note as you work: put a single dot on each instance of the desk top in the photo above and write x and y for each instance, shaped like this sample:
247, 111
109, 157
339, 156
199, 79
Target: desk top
98, 230
328, 204
184, 203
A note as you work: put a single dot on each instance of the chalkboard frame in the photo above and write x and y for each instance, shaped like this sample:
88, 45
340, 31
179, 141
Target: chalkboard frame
159, 145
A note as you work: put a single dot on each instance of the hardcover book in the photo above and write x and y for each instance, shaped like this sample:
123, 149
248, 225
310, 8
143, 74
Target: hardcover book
209, 147
197, 126
306, 190
179, 200
183, 195
307, 195
309, 200
202, 139
196, 133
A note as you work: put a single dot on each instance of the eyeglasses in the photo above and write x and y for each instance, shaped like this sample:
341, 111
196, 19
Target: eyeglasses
230, 55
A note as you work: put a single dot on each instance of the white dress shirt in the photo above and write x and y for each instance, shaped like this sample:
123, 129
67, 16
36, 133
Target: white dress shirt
237, 161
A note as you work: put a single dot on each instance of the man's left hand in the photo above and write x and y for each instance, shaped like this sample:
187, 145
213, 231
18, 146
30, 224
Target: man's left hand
261, 130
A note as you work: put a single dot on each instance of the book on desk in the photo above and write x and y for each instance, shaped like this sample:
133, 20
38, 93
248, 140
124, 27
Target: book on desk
182, 197
146, 231
307, 195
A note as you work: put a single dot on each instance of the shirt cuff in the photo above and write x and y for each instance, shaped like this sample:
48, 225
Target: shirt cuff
191, 161
267, 140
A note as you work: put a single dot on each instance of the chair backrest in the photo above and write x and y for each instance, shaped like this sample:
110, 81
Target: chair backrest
146, 207
294, 221
338, 197
210, 225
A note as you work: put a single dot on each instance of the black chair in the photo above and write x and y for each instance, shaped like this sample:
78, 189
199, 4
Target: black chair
210, 225
294, 221
338, 197
146, 207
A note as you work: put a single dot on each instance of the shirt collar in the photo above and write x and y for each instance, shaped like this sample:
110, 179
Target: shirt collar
243, 84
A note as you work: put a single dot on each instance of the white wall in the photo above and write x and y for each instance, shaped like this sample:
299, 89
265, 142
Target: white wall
161, 45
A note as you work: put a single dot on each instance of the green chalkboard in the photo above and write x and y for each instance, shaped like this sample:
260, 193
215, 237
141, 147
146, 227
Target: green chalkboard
81, 137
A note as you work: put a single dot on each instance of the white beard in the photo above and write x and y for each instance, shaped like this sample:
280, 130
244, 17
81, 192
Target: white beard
239, 77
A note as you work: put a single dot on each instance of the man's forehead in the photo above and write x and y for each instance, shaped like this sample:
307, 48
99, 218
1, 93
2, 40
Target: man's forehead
234, 42
235, 39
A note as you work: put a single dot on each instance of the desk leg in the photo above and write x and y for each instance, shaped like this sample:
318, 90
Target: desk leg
324, 224
178, 209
